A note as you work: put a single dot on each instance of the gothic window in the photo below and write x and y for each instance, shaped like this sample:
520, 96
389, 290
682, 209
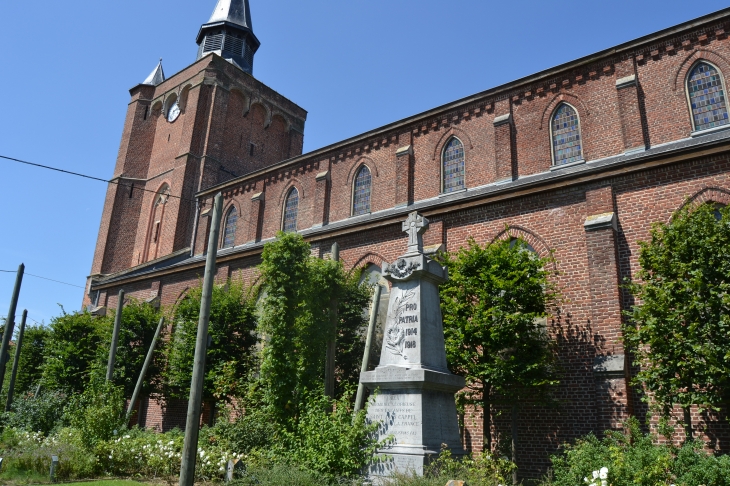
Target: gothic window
514, 241
291, 209
157, 216
566, 138
706, 97
229, 232
362, 190
453, 166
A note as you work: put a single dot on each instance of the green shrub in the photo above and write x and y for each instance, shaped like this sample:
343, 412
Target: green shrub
280, 474
634, 458
694, 466
71, 351
484, 470
252, 431
41, 413
139, 323
335, 443
148, 455
97, 413
29, 454
232, 340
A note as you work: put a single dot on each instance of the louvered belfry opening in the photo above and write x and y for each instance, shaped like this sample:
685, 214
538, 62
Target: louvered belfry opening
233, 45
213, 42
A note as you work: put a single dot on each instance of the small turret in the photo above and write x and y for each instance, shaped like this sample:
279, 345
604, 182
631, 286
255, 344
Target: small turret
229, 33
156, 77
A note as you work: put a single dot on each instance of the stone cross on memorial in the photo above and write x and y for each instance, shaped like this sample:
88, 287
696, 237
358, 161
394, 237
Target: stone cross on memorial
415, 403
415, 226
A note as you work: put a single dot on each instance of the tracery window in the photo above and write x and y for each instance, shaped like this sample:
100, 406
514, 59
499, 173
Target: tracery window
229, 231
362, 190
707, 97
566, 138
291, 210
453, 166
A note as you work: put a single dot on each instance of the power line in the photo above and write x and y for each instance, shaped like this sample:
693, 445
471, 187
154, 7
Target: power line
44, 278
77, 174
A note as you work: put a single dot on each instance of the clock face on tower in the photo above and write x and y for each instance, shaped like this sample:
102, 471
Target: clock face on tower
173, 113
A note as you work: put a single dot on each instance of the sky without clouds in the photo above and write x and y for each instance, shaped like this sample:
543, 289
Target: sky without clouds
354, 65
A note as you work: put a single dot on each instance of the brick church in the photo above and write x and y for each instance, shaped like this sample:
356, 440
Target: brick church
581, 159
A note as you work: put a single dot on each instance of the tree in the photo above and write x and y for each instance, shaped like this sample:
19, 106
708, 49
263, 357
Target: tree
72, 351
295, 320
352, 325
139, 323
232, 340
32, 357
293, 353
679, 332
491, 305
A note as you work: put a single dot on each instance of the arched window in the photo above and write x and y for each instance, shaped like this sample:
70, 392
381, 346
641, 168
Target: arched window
361, 192
453, 166
706, 97
229, 232
566, 138
155, 225
291, 209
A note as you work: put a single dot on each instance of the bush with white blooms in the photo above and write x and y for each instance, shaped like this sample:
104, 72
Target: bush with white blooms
599, 475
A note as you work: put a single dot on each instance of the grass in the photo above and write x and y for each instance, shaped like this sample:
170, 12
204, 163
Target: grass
110, 482
23, 480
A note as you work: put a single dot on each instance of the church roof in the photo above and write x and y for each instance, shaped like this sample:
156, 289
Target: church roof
156, 77
232, 11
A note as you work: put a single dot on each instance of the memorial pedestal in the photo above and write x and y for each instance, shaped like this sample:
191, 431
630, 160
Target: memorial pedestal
414, 403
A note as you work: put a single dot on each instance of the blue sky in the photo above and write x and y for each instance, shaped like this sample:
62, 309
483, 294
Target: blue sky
66, 68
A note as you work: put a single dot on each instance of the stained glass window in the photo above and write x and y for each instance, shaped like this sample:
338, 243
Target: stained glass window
567, 143
291, 209
229, 232
707, 97
361, 199
454, 166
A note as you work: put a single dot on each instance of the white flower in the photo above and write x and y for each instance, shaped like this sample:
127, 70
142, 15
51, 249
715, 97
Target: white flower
595, 474
603, 473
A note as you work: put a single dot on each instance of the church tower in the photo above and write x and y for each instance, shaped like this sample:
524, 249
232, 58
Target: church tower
229, 34
209, 123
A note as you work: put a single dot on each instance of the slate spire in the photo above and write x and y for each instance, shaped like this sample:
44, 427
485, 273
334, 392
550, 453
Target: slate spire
229, 33
156, 77
233, 11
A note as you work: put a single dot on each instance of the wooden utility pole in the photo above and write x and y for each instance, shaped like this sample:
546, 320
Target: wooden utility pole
329, 371
145, 367
374, 309
10, 324
190, 447
115, 337
18, 344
